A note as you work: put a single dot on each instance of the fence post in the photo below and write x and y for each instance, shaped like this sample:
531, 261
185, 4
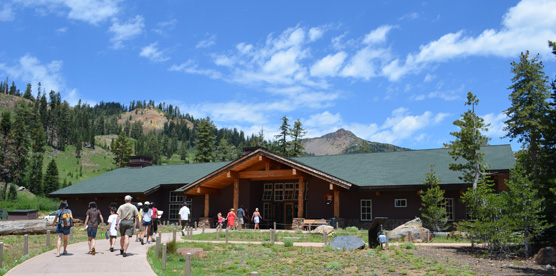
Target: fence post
195, 225
1, 252
25, 244
275, 225
188, 265
254, 273
203, 229
164, 257
217, 234
47, 239
325, 237
71, 234
226, 236
174, 230
157, 245
272, 236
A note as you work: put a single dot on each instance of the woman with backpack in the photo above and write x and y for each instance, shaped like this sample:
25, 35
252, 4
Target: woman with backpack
63, 222
91, 225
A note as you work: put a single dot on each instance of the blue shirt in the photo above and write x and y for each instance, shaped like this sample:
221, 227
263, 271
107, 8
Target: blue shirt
240, 213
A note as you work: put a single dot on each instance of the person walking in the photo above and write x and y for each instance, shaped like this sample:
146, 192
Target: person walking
138, 232
240, 217
128, 220
154, 226
63, 233
112, 230
91, 225
256, 217
184, 218
147, 222
231, 217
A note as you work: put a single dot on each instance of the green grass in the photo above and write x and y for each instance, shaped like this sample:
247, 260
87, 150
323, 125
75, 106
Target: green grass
282, 236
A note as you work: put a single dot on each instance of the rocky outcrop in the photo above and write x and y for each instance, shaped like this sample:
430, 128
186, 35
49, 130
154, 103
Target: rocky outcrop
411, 231
546, 256
329, 230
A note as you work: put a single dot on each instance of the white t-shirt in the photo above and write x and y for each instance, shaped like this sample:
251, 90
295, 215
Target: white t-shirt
184, 213
148, 215
112, 221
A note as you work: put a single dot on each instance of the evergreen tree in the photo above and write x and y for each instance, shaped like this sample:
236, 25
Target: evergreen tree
28, 93
183, 151
526, 116
34, 173
122, 150
205, 141
468, 144
282, 142
12, 194
297, 133
20, 134
433, 206
78, 148
7, 152
51, 179
365, 147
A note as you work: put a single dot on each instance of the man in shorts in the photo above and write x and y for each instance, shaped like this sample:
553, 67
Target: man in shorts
241, 217
128, 220
184, 218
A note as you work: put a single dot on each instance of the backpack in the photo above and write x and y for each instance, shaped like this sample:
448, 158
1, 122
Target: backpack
65, 220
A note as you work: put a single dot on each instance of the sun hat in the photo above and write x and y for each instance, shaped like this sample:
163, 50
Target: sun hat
139, 204
147, 203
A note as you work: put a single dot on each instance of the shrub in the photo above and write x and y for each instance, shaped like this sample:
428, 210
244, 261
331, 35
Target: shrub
352, 229
333, 265
408, 245
288, 242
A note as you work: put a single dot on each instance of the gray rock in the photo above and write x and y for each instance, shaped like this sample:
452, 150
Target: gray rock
418, 232
347, 243
545, 256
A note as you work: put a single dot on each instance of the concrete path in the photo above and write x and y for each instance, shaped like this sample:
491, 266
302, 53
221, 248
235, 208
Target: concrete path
106, 263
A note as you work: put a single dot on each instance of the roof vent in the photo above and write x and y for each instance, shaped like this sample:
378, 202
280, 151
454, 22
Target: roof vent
140, 161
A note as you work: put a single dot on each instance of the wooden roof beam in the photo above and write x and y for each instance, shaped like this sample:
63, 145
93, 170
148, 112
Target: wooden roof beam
270, 174
204, 191
231, 174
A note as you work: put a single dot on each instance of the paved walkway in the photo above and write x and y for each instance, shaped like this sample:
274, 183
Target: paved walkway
106, 263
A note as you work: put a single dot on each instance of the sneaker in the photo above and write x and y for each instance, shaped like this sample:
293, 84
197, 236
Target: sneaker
124, 254
93, 251
183, 232
57, 254
142, 242
121, 251
148, 242
111, 249
65, 252
89, 252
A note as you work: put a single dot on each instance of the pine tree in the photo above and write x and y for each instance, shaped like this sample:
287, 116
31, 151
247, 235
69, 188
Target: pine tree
526, 116
121, 149
433, 209
205, 141
7, 152
51, 179
282, 142
297, 133
12, 193
468, 144
34, 172
28, 93
183, 151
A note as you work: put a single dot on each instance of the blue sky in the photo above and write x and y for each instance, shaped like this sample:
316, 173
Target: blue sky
390, 71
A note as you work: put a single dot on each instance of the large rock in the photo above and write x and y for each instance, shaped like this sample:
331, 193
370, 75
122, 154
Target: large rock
347, 243
546, 256
413, 228
329, 230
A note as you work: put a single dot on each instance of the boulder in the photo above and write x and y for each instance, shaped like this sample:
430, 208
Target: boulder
347, 243
195, 252
322, 229
411, 231
546, 256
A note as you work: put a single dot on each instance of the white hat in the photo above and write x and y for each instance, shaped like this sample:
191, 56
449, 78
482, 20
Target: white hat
147, 203
127, 198
139, 204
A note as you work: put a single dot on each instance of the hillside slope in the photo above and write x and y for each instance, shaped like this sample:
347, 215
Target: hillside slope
152, 119
343, 141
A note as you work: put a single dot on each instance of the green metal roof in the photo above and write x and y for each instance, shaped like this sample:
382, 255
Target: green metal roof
364, 169
126, 180
401, 167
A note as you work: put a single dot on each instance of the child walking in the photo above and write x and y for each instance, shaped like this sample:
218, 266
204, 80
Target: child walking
220, 222
112, 230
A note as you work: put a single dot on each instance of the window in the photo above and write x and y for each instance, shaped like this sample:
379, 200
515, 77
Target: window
400, 202
267, 193
279, 192
267, 212
450, 214
174, 210
175, 197
366, 210
289, 191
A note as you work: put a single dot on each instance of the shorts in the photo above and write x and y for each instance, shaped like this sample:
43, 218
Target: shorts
240, 220
59, 230
184, 223
92, 232
127, 227
147, 223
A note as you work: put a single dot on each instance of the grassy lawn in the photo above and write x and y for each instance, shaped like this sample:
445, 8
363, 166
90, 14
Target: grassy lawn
295, 236
13, 247
269, 259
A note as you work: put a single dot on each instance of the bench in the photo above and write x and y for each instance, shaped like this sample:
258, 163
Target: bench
309, 223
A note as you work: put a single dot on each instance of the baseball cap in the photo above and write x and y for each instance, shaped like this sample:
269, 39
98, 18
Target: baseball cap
139, 204
147, 203
127, 198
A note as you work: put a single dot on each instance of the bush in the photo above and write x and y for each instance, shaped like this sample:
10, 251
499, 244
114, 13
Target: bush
352, 229
288, 242
172, 247
408, 245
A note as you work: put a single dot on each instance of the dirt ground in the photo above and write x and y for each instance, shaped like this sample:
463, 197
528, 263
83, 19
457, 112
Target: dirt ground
465, 257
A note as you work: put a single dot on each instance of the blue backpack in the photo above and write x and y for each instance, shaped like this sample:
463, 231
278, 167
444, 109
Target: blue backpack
65, 220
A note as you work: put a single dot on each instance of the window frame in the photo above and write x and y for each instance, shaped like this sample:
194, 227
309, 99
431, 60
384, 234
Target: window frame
399, 200
369, 214
268, 193
450, 214
278, 191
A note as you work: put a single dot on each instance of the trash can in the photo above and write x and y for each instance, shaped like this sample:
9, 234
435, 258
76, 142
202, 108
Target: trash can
333, 222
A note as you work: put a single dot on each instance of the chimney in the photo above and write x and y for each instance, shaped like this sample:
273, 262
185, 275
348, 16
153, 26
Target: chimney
140, 161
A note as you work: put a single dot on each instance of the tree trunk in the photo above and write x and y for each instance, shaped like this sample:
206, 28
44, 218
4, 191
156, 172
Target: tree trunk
21, 227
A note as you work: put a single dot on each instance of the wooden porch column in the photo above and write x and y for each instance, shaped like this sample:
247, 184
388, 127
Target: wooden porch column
336, 204
300, 198
207, 205
236, 194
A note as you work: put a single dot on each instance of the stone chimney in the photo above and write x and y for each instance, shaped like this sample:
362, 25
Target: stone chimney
140, 161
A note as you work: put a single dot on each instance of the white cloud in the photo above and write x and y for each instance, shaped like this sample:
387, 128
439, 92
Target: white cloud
315, 33
366, 63
73, 98
90, 11
324, 119
329, 65
125, 31
6, 13
62, 30
378, 35
211, 40
162, 28
497, 125
527, 26
191, 68
153, 53
410, 16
